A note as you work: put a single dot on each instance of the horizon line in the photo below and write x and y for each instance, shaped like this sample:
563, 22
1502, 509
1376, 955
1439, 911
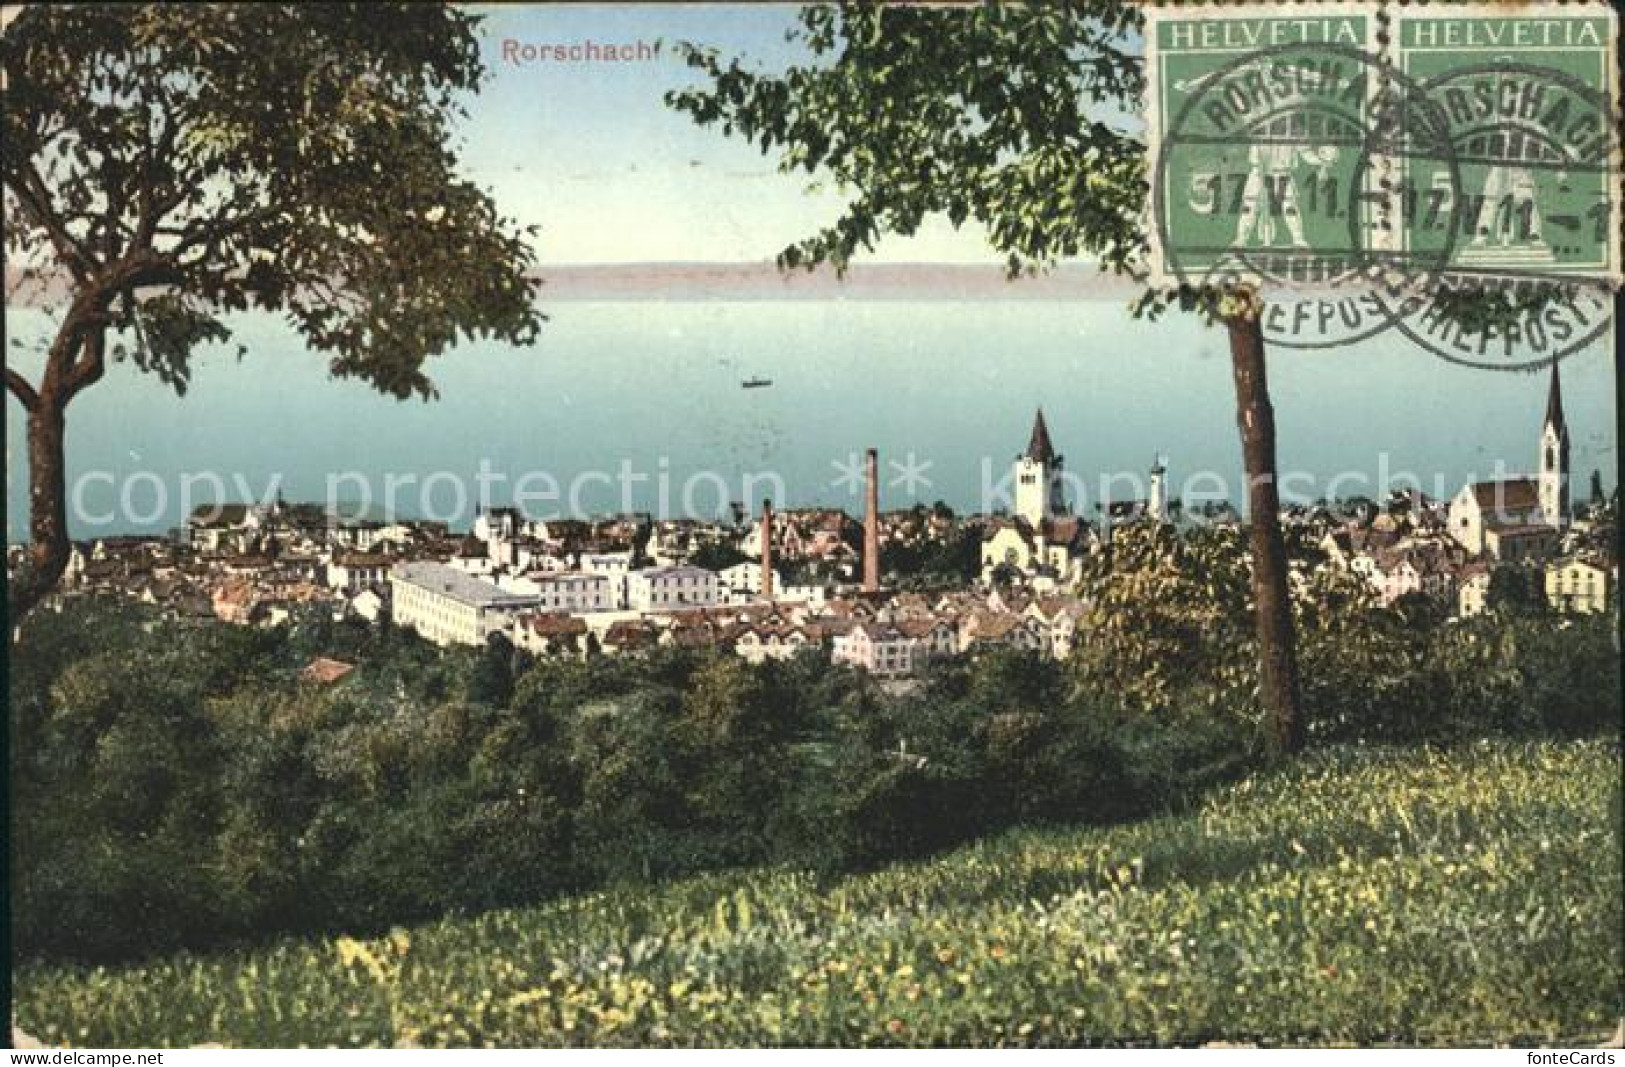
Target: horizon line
699, 279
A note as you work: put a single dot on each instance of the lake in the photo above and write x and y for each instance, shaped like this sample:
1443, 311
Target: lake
617, 390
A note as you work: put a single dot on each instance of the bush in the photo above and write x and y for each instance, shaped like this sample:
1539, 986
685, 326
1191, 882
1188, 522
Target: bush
178, 786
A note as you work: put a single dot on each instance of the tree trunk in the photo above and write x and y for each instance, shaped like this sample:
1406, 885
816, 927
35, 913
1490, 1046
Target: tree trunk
47, 512
1272, 606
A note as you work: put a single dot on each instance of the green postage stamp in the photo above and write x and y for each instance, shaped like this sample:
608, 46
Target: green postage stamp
1319, 145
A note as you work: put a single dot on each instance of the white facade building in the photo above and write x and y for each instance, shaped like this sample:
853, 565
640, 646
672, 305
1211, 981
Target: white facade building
569, 592
672, 589
877, 648
759, 644
744, 580
355, 571
451, 607
1473, 590
498, 524
1580, 586
612, 565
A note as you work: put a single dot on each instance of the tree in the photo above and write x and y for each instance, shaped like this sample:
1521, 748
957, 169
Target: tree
167, 165
1515, 590
1168, 623
491, 681
717, 556
992, 113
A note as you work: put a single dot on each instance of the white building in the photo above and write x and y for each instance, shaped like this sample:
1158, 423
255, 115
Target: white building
498, 524
1580, 586
472, 556
613, 565
672, 589
546, 634
367, 605
219, 527
1473, 589
758, 644
877, 648
931, 638
355, 571
1041, 543
814, 596
360, 535
744, 580
449, 606
1414, 568
569, 592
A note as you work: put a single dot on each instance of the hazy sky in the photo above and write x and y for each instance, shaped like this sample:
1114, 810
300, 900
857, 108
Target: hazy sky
590, 152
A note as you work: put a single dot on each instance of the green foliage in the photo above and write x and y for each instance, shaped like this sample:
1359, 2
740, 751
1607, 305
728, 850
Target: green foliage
182, 774
949, 564
1516, 590
1169, 621
717, 556
984, 113
1358, 897
1168, 634
179, 163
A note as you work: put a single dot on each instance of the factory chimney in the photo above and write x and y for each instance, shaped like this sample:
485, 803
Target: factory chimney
871, 523
767, 550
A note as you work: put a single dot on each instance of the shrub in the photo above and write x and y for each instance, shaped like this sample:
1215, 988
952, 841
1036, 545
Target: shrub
177, 786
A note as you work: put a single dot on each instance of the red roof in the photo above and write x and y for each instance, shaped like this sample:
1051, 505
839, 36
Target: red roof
324, 671
554, 625
1516, 494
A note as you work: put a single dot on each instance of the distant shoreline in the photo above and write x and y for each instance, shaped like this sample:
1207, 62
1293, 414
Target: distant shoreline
866, 281
699, 281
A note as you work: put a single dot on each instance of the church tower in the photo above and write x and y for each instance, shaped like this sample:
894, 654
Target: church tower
1040, 493
1554, 458
1157, 505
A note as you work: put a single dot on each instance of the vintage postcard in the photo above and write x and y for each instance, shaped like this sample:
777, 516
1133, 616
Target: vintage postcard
650, 526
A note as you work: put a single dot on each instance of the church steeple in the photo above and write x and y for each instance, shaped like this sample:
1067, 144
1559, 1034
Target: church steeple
1039, 448
1554, 405
1554, 457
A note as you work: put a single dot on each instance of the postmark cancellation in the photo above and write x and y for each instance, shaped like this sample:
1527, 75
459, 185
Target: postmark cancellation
1327, 145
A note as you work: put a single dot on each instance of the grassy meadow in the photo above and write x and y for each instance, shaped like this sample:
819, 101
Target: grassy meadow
1461, 896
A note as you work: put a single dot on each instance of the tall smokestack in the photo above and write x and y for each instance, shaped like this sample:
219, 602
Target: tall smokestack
871, 524
767, 550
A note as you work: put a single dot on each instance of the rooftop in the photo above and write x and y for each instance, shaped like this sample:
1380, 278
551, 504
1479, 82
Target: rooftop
324, 671
677, 569
458, 585
1509, 493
